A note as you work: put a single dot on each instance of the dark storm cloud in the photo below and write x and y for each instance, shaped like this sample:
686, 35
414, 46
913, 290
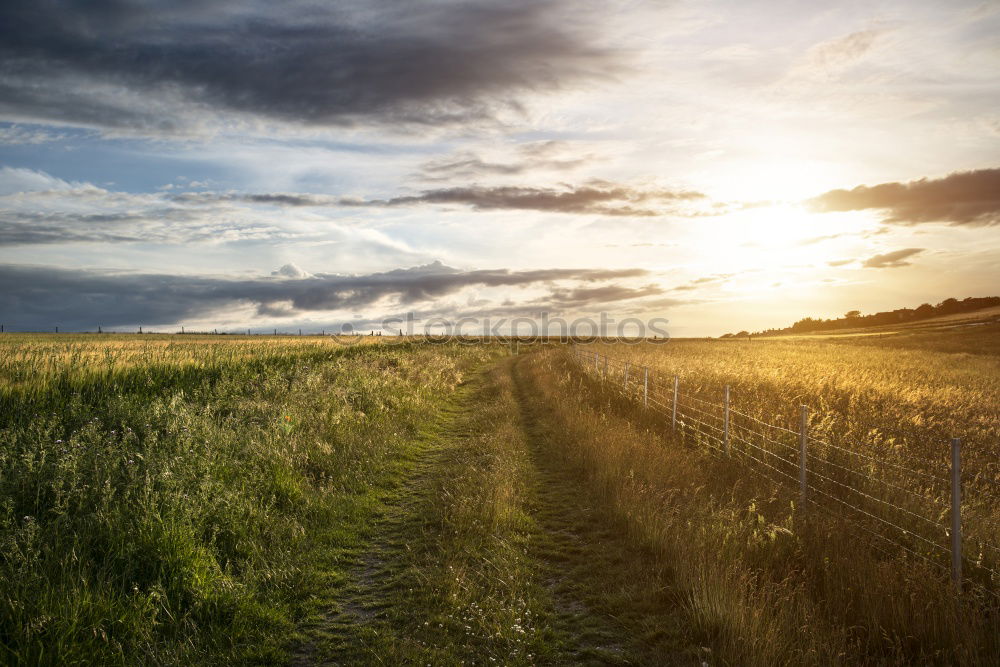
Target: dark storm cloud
891, 260
43, 297
963, 198
600, 198
156, 66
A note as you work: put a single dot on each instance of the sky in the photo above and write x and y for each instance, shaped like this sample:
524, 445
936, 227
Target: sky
723, 166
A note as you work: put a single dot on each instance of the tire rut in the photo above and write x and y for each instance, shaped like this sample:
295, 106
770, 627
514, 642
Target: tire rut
606, 613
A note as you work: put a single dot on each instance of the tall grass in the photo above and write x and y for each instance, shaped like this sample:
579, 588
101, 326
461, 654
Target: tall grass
178, 502
767, 583
895, 409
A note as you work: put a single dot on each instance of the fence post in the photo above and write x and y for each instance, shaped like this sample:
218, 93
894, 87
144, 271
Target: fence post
803, 438
645, 387
956, 513
605, 367
596, 359
673, 413
725, 423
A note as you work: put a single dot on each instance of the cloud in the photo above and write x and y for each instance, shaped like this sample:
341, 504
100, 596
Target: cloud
962, 198
596, 197
891, 260
166, 225
33, 297
532, 156
704, 281
291, 271
819, 239
159, 67
829, 58
39, 209
14, 180
599, 198
589, 296
16, 135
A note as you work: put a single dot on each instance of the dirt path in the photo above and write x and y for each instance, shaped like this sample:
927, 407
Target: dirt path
340, 635
489, 554
612, 600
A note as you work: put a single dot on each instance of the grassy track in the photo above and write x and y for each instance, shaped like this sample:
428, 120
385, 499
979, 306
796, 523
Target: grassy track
491, 555
615, 602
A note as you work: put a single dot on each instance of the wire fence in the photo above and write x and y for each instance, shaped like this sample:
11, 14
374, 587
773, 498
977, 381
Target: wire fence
899, 509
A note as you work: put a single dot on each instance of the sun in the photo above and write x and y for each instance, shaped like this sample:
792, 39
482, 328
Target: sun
764, 235
774, 244
777, 227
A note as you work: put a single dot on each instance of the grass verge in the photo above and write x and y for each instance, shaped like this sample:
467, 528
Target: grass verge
193, 511
762, 583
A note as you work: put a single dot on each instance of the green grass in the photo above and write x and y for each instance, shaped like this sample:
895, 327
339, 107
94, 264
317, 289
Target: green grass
182, 504
493, 555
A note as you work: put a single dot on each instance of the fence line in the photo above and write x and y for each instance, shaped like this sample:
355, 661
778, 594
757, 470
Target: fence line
843, 483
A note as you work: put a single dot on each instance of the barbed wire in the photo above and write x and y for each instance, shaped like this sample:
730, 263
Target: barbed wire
814, 473
877, 460
763, 423
683, 410
764, 437
876, 480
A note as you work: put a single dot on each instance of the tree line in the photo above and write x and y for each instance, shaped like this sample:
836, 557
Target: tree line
854, 319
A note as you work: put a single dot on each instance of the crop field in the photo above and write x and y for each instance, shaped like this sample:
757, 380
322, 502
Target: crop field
287, 500
897, 400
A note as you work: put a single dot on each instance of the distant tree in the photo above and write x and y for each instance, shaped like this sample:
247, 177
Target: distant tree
852, 314
743, 334
727, 335
948, 306
923, 310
